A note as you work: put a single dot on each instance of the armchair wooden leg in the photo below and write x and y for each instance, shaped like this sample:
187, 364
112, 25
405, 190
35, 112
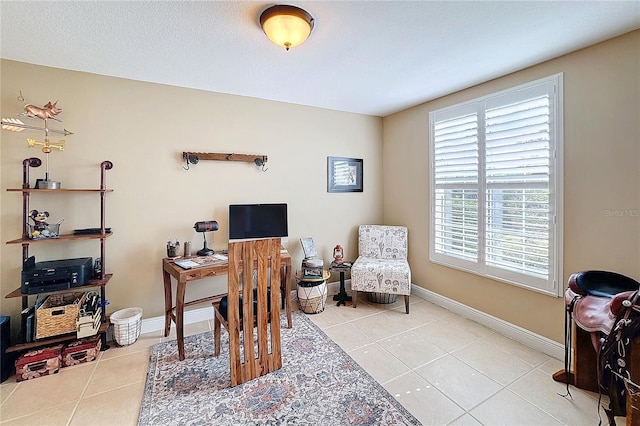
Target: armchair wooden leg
354, 297
406, 303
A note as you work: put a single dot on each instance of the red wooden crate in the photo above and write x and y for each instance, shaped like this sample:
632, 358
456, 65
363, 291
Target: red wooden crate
38, 363
80, 351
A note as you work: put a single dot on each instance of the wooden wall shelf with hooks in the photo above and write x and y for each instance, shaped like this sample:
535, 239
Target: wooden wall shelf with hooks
218, 156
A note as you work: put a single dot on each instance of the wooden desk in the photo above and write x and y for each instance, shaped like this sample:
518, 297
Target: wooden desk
183, 276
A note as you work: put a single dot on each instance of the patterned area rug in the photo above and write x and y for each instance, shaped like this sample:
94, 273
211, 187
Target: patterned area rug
318, 384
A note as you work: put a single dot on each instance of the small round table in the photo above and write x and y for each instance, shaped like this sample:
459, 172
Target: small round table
312, 292
342, 297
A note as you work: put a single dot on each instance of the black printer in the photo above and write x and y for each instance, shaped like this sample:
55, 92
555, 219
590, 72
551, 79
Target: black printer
54, 275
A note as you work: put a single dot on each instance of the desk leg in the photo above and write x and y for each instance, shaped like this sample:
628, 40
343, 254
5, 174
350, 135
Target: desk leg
180, 317
342, 297
287, 294
168, 303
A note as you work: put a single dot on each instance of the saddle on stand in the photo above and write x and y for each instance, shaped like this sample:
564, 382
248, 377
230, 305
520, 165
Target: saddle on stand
605, 307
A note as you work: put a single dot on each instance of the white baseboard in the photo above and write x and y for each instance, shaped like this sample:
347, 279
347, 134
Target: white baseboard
519, 334
150, 325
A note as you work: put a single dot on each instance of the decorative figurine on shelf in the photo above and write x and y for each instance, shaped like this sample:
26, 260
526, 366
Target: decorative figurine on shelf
39, 220
338, 253
40, 228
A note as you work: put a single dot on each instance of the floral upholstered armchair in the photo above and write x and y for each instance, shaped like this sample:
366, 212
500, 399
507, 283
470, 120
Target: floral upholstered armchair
382, 268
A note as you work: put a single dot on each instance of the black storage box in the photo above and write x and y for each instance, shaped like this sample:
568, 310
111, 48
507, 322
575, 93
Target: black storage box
5, 365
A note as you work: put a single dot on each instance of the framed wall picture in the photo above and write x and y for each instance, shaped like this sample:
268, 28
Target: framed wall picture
344, 174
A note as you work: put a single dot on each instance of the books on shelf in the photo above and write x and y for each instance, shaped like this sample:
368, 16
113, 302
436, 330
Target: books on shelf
28, 319
197, 262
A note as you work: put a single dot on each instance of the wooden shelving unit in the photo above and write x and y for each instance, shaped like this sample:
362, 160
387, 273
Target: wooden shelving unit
98, 282
62, 237
30, 190
53, 340
92, 283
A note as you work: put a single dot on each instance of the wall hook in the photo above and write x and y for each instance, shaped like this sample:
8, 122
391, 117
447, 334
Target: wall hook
189, 158
260, 162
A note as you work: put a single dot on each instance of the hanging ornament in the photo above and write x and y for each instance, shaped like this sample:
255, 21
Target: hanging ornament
48, 112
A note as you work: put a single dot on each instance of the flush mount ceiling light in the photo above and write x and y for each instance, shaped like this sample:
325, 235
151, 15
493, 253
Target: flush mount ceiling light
286, 26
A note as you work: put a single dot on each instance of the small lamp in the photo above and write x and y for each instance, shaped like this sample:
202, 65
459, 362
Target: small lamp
286, 26
205, 226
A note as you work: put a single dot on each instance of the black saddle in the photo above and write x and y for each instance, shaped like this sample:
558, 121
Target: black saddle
601, 283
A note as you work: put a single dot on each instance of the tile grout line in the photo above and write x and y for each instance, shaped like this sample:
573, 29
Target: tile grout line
524, 397
451, 353
448, 353
10, 393
531, 367
84, 391
412, 370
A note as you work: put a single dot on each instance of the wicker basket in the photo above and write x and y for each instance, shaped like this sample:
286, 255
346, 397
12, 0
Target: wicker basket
127, 324
312, 296
58, 314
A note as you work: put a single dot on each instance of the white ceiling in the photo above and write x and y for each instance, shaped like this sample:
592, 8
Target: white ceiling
369, 57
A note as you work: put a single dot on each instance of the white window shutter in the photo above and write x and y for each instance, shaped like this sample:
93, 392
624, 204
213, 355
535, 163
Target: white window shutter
455, 211
496, 185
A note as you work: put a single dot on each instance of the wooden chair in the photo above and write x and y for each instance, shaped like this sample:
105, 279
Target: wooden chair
253, 327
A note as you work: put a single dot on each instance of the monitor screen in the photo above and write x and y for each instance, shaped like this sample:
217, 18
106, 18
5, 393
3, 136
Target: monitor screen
247, 221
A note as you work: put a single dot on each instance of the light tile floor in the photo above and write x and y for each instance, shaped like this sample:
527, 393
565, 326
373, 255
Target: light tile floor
443, 368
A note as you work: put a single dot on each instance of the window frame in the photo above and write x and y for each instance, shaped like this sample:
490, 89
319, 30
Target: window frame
551, 284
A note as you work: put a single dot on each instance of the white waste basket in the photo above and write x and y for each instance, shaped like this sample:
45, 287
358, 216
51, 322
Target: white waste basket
127, 324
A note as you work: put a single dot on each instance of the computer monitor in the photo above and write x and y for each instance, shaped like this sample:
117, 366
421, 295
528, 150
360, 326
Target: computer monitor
252, 221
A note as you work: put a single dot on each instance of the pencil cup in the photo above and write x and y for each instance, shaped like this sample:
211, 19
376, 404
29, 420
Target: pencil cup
172, 251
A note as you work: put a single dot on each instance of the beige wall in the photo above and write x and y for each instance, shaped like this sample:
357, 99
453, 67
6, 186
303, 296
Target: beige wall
143, 129
601, 176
